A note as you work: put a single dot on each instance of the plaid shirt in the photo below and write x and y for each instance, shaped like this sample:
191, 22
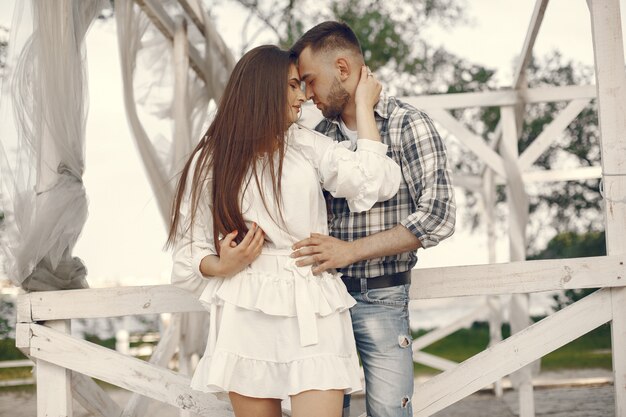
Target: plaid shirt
425, 201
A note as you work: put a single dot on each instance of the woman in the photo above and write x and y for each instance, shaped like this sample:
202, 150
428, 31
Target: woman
276, 330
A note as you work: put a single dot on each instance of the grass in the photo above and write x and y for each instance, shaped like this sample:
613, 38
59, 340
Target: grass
592, 350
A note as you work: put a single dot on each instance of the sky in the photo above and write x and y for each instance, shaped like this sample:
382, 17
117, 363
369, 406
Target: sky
122, 242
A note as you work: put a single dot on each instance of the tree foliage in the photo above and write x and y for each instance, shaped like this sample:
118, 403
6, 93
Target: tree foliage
4, 46
392, 34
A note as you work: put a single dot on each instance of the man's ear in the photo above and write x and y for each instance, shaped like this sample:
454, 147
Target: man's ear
344, 68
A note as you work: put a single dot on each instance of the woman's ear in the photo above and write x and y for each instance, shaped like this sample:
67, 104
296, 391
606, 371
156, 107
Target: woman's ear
344, 68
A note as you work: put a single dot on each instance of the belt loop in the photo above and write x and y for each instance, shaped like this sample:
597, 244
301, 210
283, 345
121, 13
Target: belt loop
363, 285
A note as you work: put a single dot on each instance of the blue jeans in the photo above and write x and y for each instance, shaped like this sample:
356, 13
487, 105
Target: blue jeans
383, 339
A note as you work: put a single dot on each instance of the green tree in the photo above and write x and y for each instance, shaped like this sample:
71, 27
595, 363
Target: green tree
391, 32
4, 46
7, 317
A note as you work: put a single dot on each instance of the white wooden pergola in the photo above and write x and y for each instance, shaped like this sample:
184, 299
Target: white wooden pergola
43, 317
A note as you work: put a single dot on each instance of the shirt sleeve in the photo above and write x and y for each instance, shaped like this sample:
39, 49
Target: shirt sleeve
363, 177
193, 244
425, 170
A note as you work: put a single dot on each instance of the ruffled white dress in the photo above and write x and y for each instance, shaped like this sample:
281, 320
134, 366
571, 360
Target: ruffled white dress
276, 329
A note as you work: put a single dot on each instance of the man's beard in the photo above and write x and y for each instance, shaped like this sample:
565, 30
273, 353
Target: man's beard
338, 98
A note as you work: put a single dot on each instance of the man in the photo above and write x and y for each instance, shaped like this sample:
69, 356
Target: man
376, 250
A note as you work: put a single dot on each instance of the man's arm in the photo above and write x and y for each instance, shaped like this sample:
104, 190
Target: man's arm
426, 173
326, 252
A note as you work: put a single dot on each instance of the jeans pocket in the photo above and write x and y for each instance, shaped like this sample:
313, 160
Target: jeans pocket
392, 296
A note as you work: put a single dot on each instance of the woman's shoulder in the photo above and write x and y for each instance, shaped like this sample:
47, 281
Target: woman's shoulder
303, 135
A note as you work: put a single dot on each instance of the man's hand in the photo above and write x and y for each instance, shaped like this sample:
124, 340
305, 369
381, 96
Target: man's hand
325, 252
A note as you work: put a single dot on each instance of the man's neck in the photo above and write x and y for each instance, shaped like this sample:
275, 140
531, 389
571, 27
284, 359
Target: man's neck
349, 116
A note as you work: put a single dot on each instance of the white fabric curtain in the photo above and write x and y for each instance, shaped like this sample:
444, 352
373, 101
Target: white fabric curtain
42, 167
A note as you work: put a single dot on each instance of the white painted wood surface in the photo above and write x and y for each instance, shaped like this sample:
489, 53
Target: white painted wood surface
126, 372
54, 389
183, 145
93, 398
518, 205
433, 361
137, 405
567, 93
121, 301
159, 17
513, 353
475, 143
529, 42
551, 132
438, 334
500, 97
518, 277
611, 84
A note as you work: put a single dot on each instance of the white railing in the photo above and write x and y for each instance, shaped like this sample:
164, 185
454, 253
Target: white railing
42, 316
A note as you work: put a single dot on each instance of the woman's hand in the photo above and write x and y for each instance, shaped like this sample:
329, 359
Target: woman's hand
236, 257
368, 90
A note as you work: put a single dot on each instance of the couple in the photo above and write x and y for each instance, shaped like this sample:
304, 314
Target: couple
250, 227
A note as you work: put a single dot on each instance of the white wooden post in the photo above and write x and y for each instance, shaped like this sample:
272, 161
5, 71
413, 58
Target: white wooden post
493, 301
182, 130
122, 338
517, 200
611, 91
54, 387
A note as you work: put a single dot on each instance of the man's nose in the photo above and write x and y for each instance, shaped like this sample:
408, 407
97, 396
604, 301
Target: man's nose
308, 92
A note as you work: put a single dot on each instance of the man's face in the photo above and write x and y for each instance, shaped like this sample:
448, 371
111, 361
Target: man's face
323, 85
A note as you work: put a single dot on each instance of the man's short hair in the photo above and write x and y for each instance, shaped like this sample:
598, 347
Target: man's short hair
328, 36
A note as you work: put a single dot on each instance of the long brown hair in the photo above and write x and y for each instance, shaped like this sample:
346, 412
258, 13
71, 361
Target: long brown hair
250, 123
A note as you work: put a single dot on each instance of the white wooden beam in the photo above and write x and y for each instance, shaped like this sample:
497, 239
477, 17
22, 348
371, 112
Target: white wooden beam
572, 174
194, 10
159, 17
517, 201
121, 301
551, 132
161, 356
438, 334
549, 94
434, 361
54, 389
469, 182
129, 373
474, 142
513, 353
473, 182
505, 97
183, 144
22, 337
529, 42
608, 51
519, 277
93, 398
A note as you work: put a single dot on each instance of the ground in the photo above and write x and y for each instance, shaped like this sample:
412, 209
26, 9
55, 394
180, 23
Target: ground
593, 400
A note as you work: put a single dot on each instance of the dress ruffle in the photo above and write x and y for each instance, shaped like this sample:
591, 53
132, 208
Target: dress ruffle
224, 371
275, 294
267, 301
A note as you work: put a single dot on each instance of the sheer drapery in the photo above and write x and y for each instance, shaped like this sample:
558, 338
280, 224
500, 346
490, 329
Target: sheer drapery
42, 169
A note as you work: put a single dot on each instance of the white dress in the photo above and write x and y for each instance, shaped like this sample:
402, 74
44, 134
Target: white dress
275, 328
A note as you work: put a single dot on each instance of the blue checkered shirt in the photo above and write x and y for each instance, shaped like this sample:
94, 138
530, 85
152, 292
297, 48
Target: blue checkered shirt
425, 201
